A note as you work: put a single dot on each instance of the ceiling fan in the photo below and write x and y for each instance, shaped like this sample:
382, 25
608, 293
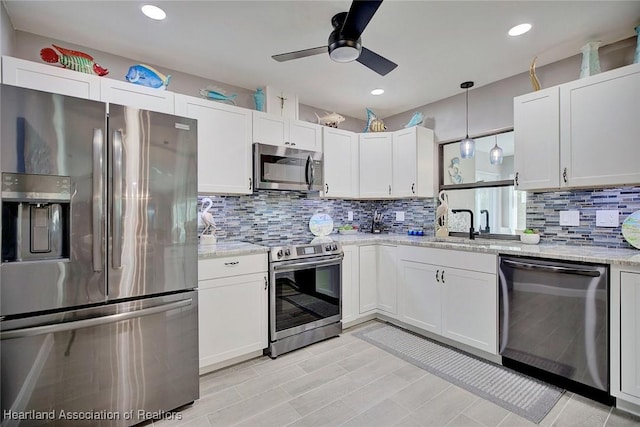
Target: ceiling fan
344, 43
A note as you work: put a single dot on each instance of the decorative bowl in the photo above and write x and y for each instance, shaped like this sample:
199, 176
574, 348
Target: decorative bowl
530, 239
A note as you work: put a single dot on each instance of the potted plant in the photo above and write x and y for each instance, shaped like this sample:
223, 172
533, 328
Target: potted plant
530, 236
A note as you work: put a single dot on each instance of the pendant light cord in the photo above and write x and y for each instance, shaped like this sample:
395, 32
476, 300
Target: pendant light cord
467, 112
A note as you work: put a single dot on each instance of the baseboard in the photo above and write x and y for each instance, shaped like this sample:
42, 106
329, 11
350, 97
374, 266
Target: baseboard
233, 361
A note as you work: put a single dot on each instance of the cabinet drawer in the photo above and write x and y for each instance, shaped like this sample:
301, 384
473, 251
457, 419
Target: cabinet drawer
485, 263
215, 268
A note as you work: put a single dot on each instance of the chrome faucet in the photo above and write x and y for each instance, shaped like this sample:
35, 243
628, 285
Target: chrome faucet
486, 229
472, 234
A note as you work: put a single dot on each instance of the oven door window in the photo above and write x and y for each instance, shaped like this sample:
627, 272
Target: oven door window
306, 295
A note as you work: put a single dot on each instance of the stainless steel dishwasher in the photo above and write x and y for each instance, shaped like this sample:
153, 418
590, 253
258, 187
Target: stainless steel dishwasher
554, 322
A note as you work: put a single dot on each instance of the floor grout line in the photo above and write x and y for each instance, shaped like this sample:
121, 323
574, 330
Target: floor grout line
608, 416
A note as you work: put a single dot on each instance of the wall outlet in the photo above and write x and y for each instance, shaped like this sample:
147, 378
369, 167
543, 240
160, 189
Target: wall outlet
400, 216
608, 218
570, 218
350, 216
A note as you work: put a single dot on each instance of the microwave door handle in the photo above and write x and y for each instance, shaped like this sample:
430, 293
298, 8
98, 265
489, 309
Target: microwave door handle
313, 172
307, 180
117, 200
552, 268
97, 184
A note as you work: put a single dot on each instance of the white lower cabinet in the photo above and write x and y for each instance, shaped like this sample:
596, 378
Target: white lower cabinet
450, 293
350, 284
368, 272
378, 284
625, 337
233, 309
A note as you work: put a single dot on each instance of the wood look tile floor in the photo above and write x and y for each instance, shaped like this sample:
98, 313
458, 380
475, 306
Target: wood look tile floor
348, 382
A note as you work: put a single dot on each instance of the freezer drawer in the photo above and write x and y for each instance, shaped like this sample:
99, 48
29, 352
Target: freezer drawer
123, 362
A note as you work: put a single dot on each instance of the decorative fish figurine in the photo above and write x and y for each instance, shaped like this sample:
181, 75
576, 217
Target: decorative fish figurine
330, 119
374, 124
144, 75
73, 60
415, 120
217, 94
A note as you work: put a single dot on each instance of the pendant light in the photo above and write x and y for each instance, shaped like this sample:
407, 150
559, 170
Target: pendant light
495, 155
467, 145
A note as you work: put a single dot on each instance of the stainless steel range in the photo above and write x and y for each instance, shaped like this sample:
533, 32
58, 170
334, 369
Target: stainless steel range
304, 293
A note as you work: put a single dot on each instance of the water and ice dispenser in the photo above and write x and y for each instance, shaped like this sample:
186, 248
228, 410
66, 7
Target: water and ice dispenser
35, 217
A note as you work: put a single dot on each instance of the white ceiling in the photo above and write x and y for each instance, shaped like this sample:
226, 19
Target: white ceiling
436, 44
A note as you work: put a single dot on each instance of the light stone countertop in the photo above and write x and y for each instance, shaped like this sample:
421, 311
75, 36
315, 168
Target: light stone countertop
593, 254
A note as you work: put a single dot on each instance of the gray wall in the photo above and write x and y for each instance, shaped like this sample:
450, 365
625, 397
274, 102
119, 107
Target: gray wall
6, 32
491, 106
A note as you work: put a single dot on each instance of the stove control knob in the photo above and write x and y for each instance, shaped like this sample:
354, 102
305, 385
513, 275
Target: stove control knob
279, 254
287, 252
328, 248
334, 247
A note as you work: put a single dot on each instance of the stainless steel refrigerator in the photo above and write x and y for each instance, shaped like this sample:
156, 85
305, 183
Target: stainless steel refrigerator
98, 308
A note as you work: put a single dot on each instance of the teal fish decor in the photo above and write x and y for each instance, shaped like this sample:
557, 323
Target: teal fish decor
217, 94
374, 124
415, 120
145, 75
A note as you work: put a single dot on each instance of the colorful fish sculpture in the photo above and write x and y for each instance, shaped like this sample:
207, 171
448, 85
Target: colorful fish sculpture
217, 94
374, 124
415, 120
73, 60
145, 75
330, 119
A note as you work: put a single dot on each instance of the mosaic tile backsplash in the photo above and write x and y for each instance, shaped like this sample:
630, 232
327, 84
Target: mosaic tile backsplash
285, 214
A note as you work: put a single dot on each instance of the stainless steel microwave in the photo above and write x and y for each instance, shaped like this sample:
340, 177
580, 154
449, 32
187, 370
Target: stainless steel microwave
282, 168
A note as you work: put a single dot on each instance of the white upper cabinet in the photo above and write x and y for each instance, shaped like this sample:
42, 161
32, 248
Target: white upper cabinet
376, 165
600, 126
50, 78
340, 148
275, 130
224, 145
133, 95
414, 171
536, 124
579, 134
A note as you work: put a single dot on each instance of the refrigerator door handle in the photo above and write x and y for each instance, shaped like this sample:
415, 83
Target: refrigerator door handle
117, 200
95, 321
98, 142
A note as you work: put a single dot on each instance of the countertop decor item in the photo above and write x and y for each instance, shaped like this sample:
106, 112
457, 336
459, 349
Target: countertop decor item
636, 56
415, 120
530, 237
532, 75
374, 124
442, 215
216, 94
330, 119
321, 224
145, 75
467, 145
73, 60
631, 229
207, 237
259, 98
590, 60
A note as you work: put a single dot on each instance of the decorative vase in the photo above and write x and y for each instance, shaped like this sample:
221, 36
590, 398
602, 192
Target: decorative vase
590, 60
636, 57
258, 97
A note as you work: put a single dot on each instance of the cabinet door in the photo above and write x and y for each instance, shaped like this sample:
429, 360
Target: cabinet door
340, 163
600, 128
224, 145
350, 284
270, 129
49, 78
368, 278
536, 126
305, 135
375, 164
133, 95
387, 289
405, 178
630, 333
232, 317
421, 295
469, 308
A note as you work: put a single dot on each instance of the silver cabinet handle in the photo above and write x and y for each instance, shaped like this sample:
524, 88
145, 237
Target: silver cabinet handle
232, 263
442, 276
117, 200
95, 321
564, 175
293, 143
266, 284
327, 188
389, 189
250, 183
287, 143
96, 220
517, 179
413, 188
437, 279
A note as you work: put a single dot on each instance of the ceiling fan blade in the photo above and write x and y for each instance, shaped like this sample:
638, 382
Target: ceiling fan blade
300, 53
358, 18
377, 63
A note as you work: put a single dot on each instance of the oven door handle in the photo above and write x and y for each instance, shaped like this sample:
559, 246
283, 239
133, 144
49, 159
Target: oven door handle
552, 268
297, 265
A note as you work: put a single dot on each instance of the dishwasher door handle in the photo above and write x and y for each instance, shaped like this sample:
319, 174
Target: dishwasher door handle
551, 268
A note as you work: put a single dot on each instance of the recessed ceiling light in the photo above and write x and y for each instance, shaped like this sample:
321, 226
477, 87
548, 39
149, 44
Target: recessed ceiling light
519, 30
153, 12
377, 92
